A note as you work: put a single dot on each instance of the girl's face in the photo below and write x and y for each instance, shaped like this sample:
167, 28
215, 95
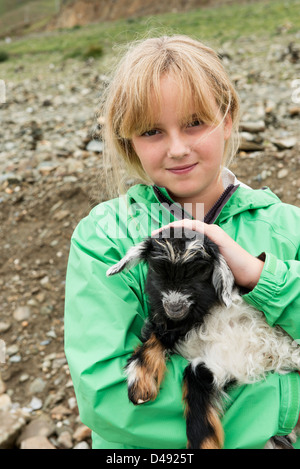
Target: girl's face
184, 156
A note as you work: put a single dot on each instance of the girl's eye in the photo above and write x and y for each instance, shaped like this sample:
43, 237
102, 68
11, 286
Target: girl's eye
150, 133
194, 123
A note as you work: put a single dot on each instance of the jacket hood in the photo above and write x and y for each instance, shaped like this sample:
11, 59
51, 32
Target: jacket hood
245, 199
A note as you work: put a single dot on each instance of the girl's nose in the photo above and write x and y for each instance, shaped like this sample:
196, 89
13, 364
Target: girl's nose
178, 147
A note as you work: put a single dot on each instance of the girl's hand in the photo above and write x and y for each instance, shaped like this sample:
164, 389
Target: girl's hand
246, 268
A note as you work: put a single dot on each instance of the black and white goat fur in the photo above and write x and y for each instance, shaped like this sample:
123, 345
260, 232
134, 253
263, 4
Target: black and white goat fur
197, 311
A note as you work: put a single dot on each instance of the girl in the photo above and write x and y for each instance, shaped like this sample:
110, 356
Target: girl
172, 116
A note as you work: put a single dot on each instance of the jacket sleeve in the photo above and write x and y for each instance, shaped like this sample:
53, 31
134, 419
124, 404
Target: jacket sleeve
103, 320
277, 293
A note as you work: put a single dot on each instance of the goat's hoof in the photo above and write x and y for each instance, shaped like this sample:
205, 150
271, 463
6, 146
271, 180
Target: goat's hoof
142, 386
140, 401
137, 400
138, 393
141, 391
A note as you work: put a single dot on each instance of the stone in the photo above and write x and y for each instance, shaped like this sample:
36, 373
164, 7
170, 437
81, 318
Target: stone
72, 402
15, 359
37, 442
82, 433
82, 445
21, 313
285, 143
4, 327
41, 426
11, 425
5, 402
37, 386
59, 412
253, 127
65, 440
12, 350
247, 145
95, 146
282, 173
46, 167
294, 111
3, 387
59, 362
23, 378
61, 215
36, 403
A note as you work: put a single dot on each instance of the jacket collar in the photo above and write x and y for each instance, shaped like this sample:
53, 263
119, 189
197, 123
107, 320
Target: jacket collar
236, 198
230, 184
233, 200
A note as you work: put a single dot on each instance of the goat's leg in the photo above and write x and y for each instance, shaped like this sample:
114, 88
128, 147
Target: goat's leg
203, 426
145, 370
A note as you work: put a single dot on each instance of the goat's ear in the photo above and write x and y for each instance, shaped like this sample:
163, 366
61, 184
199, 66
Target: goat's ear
134, 255
223, 281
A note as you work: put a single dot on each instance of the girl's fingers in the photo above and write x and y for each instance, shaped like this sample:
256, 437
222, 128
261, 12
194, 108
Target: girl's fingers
194, 225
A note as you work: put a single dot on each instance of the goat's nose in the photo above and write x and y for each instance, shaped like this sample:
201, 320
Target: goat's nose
175, 308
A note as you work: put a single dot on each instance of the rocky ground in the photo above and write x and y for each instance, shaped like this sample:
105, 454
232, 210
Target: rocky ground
50, 177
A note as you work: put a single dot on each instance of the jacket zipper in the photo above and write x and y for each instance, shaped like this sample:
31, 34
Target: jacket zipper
212, 214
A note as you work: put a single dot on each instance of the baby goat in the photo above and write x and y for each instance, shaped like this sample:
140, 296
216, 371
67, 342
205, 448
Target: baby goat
197, 312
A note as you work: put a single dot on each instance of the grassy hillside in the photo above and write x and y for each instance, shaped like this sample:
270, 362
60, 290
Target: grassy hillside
15, 14
8, 5
228, 22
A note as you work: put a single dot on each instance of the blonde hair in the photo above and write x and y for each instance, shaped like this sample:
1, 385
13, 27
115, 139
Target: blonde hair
128, 100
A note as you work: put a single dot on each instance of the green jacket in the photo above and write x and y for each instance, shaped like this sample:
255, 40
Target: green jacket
104, 317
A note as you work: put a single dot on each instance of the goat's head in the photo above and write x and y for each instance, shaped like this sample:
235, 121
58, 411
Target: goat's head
184, 268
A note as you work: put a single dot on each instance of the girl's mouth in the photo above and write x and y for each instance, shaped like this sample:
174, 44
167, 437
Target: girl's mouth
182, 169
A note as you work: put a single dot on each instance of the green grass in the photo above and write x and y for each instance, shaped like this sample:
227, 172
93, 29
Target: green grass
214, 25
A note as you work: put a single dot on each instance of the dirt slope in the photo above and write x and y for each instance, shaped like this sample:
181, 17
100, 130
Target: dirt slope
81, 12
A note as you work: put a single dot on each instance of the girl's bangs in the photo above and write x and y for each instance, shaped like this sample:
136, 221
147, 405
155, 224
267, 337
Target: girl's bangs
139, 115
195, 101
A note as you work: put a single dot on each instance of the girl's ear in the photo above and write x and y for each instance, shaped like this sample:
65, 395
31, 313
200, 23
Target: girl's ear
135, 254
227, 126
